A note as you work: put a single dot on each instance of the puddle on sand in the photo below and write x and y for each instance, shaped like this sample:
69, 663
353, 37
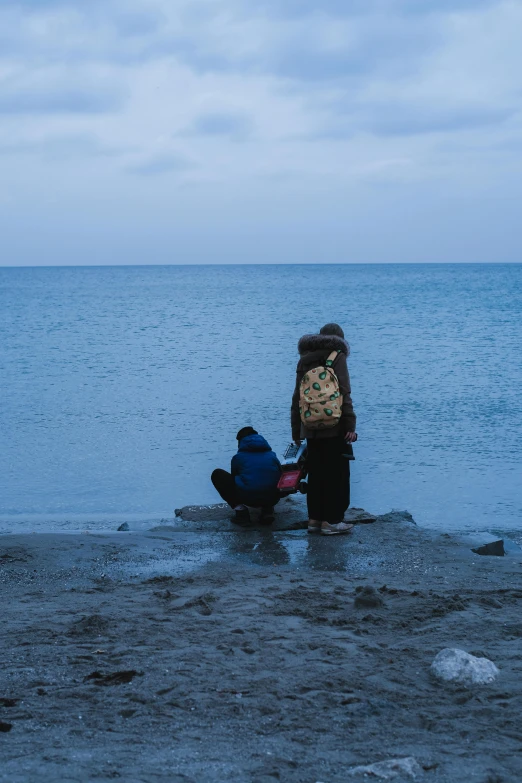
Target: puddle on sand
257, 548
173, 566
182, 555
295, 549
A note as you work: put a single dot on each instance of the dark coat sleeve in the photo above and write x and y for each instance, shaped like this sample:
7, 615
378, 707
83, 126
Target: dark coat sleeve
348, 418
295, 418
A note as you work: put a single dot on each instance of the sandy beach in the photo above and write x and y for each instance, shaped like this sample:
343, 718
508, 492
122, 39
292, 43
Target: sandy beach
201, 652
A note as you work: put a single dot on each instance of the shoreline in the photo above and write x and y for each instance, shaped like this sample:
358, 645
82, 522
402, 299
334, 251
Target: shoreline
210, 513
247, 657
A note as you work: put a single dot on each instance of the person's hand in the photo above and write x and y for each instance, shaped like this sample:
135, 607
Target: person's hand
350, 437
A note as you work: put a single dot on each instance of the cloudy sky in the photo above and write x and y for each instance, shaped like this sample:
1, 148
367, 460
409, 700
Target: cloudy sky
250, 131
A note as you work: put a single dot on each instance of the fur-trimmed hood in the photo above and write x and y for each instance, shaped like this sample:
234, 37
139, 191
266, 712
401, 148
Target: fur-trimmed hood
322, 342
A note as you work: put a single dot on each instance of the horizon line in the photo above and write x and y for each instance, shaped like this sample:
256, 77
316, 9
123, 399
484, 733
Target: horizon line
262, 263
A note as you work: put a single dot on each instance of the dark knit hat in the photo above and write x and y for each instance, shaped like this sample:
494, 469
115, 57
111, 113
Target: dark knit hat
246, 431
332, 329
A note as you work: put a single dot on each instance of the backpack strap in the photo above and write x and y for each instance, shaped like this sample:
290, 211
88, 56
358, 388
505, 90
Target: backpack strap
332, 357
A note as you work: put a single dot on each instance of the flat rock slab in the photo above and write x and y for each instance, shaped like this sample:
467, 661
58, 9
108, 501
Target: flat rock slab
290, 514
212, 513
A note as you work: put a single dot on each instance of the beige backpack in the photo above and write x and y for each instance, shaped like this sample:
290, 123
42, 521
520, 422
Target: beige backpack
320, 400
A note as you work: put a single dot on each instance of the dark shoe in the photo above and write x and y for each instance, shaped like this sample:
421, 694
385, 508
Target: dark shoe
242, 516
267, 515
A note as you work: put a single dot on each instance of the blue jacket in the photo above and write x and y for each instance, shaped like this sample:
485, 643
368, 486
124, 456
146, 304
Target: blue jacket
256, 471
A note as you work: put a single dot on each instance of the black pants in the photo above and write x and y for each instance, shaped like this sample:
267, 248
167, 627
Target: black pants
226, 486
328, 479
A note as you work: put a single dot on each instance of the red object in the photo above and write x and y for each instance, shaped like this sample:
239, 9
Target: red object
289, 481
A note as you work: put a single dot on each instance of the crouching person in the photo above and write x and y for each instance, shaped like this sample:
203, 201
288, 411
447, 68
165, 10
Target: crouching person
255, 471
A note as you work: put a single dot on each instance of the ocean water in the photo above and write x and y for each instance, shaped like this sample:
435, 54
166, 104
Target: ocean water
123, 387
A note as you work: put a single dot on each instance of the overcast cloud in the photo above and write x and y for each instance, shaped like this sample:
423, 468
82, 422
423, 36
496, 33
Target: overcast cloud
211, 131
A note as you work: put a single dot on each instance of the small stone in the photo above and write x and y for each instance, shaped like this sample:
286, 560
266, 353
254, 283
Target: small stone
177, 512
458, 666
390, 769
124, 527
367, 598
494, 549
5, 727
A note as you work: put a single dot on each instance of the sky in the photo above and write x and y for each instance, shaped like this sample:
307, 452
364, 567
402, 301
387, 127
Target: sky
260, 131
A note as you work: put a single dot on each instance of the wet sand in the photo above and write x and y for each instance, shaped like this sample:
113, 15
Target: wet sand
200, 652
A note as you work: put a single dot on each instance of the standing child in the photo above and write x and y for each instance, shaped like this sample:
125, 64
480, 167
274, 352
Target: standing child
322, 412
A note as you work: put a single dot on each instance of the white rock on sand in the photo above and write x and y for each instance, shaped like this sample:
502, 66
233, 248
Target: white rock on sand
451, 665
390, 769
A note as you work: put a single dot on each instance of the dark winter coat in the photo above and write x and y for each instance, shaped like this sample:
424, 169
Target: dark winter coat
314, 349
256, 471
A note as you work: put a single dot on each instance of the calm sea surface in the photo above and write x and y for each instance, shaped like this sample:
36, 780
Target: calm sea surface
123, 387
